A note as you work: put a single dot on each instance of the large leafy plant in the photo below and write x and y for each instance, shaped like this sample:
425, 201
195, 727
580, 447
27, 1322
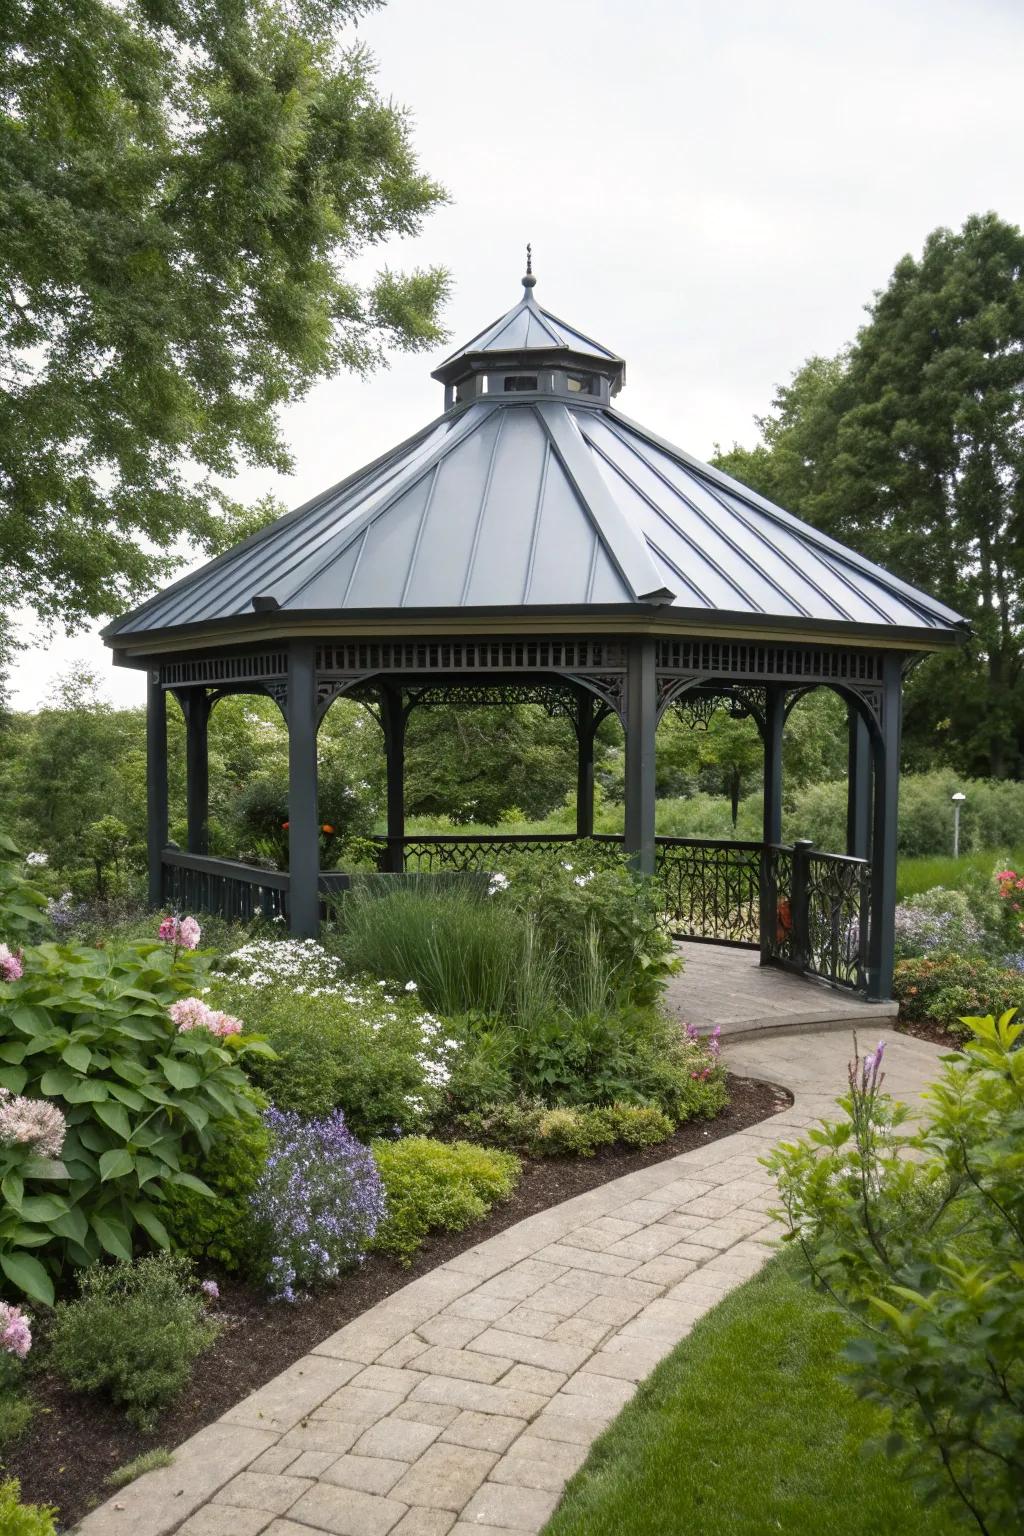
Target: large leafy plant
88, 1031
920, 1234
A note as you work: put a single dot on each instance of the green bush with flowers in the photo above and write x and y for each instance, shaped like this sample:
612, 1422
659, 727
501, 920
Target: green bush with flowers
113, 1072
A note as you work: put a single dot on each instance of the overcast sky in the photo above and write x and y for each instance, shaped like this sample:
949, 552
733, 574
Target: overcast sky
713, 190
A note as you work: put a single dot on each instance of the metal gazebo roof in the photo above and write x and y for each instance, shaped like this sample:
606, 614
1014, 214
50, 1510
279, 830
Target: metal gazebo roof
524, 497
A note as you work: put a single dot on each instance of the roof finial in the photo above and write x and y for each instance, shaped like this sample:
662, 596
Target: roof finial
529, 281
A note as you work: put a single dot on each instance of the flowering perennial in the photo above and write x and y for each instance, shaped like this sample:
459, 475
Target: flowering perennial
11, 966
711, 1045
193, 1013
182, 932
15, 1331
35, 1123
318, 1203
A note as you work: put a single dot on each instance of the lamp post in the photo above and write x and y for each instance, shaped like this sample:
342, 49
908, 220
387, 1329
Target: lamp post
958, 799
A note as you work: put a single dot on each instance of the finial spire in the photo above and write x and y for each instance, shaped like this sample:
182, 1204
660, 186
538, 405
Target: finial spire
529, 281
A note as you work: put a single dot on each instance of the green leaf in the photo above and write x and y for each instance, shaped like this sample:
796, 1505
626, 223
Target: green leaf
56, 1082
115, 1164
150, 1222
29, 1276
114, 1236
189, 1181
13, 1052
87, 1090
77, 1056
72, 1224
115, 1117
12, 1189
180, 1074
13, 1078
129, 1096
44, 1168
42, 1209
30, 1021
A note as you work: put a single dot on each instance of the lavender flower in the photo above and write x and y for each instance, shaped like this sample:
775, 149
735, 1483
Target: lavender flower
35, 1123
15, 1331
11, 966
318, 1203
182, 932
210, 1289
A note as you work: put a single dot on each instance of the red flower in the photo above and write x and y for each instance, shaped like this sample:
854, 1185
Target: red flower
285, 825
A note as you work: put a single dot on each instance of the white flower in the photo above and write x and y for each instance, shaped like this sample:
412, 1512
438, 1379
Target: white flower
497, 883
37, 860
583, 879
411, 986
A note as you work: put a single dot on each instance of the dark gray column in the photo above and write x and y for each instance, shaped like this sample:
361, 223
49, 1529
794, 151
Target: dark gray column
886, 750
585, 727
303, 821
771, 823
196, 704
858, 786
393, 721
156, 785
641, 728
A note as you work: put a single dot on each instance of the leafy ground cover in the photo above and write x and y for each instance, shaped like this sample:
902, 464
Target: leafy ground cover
746, 1428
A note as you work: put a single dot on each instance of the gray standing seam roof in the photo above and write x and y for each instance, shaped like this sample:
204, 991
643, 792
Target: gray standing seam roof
537, 501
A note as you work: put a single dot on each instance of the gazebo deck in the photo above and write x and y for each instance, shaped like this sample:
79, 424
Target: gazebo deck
727, 987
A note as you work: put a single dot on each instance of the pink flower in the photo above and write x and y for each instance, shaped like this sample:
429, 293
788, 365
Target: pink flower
193, 1013
11, 964
15, 1333
183, 932
211, 1290
35, 1123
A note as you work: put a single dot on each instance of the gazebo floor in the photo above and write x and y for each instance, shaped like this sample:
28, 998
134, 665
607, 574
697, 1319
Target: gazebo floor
726, 986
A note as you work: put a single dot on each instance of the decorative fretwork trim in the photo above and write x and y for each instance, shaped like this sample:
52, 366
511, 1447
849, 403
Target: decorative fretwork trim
739, 660
471, 656
224, 669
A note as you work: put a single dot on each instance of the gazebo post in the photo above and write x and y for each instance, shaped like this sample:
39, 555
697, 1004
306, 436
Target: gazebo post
196, 703
585, 729
393, 721
858, 786
771, 822
641, 730
303, 825
156, 784
883, 842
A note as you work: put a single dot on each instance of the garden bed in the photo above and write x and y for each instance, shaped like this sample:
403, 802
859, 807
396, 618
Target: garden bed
932, 1031
75, 1442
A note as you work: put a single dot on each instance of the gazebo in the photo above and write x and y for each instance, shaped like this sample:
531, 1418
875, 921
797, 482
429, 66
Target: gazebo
531, 542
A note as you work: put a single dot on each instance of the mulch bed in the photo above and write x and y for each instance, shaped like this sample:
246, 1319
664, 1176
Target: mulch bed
75, 1441
931, 1030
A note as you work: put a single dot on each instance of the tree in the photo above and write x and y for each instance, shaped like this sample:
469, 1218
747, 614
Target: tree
183, 185
910, 447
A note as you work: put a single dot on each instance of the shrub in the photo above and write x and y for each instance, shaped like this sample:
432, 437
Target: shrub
371, 1050
938, 921
946, 987
431, 1184
88, 1034
22, 906
575, 1131
925, 1250
135, 1333
318, 1203
220, 1231
18, 1519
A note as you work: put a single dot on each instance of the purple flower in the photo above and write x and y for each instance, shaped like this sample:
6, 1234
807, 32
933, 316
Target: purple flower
210, 1289
15, 1333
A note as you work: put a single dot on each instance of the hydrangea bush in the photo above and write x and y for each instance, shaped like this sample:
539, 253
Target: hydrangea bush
368, 1048
938, 921
318, 1203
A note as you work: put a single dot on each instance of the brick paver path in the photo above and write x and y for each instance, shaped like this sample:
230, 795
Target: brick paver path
465, 1401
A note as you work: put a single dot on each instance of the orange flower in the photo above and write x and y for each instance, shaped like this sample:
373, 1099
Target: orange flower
328, 829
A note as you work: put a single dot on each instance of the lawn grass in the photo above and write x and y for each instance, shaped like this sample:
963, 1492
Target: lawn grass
746, 1429
916, 875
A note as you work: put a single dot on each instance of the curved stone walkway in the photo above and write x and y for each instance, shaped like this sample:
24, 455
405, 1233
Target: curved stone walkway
465, 1401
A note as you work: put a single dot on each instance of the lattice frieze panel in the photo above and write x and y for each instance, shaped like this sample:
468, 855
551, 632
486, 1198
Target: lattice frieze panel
454, 656
742, 660
253, 668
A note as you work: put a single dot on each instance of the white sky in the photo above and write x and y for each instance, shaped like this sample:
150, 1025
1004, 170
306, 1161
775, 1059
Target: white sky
714, 190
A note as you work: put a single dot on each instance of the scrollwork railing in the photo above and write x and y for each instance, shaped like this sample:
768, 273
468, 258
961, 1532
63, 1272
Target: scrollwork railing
837, 897
711, 888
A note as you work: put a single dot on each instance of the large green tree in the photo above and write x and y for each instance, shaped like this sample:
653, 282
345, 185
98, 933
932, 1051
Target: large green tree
183, 187
910, 447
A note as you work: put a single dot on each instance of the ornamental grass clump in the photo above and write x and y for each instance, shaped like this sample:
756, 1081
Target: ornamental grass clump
318, 1202
134, 1332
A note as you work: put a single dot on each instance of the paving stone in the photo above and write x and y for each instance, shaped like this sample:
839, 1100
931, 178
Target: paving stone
294, 1394
547, 1353
682, 1191
406, 1350
612, 1391
464, 1527
561, 1300
535, 1463
275, 1492
471, 1365
526, 1320
644, 1211
584, 1258
698, 1252
311, 1463
533, 1378
579, 1330
522, 1281
509, 1507
361, 1405
397, 1438
159, 1501
590, 1237
670, 1320
665, 1271
690, 1226
440, 1414
478, 1396
370, 1474
368, 1337
221, 1520
321, 1435
445, 1477
346, 1511
387, 1378
613, 1310
484, 1431
577, 1420
425, 1522
630, 1359
289, 1528
647, 1243
450, 1330
277, 1459
582, 1283
486, 1308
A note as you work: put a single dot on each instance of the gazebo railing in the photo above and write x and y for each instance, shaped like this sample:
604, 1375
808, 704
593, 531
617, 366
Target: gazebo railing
807, 910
